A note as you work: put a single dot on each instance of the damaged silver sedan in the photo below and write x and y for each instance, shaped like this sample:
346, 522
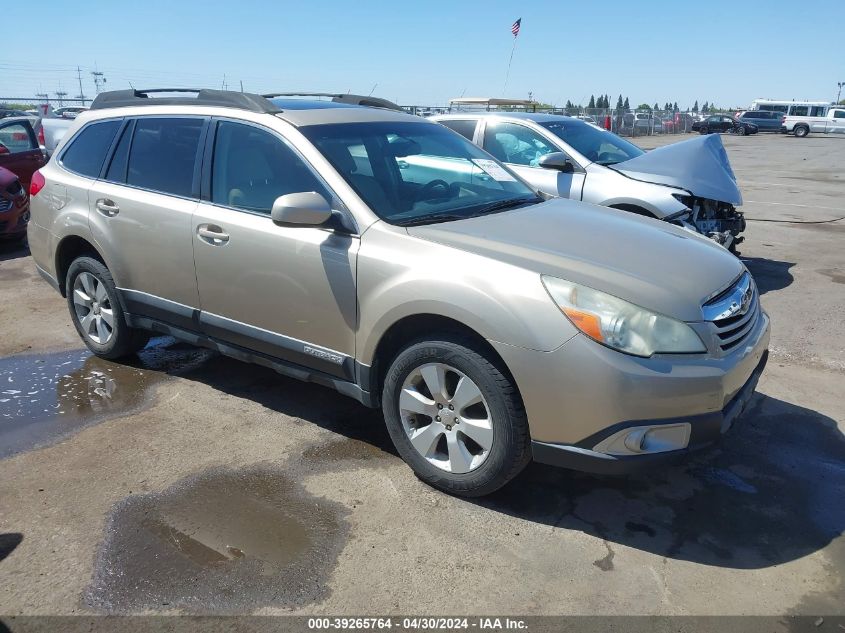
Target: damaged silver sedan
690, 183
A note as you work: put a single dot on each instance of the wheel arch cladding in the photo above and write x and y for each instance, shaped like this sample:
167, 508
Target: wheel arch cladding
70, 248
420, 327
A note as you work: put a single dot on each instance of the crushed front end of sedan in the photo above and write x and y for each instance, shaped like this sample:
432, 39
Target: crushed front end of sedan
700, 170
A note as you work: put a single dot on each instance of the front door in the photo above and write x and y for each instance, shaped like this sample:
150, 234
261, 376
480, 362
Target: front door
19, 151
522, 147
285, 291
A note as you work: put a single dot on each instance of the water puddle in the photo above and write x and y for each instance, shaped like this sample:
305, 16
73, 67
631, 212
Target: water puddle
227, 541
45, 397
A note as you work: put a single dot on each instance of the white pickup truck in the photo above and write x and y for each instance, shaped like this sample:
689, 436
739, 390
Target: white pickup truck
801, 126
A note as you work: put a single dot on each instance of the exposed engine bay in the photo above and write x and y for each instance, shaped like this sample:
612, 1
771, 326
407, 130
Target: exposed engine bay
720, 221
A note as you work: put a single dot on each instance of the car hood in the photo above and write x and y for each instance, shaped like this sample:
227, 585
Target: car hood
650, 263
699, 165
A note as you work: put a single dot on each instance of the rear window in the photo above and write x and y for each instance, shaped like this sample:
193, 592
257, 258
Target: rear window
163, 154
463, 127
87, 152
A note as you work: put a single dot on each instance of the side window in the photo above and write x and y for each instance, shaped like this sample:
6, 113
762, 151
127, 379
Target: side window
88, 150
163, 154
119, 162
16, 138
839, 114
799, 111
516, 144
463, 127
252, 167
817, 111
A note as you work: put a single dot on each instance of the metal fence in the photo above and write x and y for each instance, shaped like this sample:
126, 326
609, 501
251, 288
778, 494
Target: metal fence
623, 122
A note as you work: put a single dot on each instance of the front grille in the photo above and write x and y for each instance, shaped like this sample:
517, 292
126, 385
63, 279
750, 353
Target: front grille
731, 324
5, 205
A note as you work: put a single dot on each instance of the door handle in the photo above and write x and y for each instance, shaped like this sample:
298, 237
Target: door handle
212, 234
107, 207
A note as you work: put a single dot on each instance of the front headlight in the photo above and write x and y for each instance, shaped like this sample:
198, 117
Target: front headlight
621, 325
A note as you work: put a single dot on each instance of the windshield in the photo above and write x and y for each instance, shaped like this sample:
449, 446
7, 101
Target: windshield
599, 146
418, 172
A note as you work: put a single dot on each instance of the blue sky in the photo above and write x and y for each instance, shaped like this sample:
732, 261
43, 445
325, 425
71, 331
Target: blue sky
427, 52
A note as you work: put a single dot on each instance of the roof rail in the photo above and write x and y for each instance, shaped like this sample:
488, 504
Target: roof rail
373, 102
206, 97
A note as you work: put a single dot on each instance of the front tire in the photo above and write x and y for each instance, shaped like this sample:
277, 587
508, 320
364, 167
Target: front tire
741, 130
455, 417
96, 312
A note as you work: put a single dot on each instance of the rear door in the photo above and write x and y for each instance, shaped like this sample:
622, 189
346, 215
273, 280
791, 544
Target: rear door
19, 150
836, 122
521, 148
141, 210
285, 291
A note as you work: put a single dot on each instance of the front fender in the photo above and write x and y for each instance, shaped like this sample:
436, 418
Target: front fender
401, 276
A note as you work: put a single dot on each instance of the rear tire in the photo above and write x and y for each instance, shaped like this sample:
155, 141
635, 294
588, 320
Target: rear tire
801, 131
741, 130
438, 451
96, 313
702, 130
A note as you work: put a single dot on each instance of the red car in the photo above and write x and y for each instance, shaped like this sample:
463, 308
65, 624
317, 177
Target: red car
19, 149
14, 207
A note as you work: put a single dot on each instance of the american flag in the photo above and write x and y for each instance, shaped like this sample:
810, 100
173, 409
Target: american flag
515, 27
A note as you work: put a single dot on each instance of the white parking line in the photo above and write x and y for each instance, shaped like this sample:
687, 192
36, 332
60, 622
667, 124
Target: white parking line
791, 204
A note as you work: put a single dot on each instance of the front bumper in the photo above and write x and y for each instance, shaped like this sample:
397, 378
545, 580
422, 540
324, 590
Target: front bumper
706, 429
582, 394
13, 221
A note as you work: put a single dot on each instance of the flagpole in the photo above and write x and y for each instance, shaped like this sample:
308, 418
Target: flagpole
510, 61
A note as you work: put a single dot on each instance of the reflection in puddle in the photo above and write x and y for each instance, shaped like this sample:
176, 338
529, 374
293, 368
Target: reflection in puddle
226, 541
45, 397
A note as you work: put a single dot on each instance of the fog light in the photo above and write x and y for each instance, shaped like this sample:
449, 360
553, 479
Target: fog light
641, 440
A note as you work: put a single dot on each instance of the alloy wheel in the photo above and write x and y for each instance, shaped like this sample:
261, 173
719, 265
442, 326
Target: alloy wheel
446, 418
93, 308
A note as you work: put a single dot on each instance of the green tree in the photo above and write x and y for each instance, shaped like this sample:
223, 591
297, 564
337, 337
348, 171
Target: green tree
592, 103
606, 101
675, 107
656, 107
643, 106
695, 107
705, 108
619, 104
626, 105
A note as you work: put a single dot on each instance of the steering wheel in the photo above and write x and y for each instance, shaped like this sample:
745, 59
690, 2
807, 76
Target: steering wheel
429, 190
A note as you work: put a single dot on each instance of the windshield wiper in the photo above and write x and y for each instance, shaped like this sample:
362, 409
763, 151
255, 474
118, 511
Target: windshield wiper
432, 218
501, 205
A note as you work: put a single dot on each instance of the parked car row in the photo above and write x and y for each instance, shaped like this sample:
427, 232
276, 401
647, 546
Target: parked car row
390, 258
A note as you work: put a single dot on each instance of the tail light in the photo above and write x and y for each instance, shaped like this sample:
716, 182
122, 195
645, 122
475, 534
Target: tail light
41, 140
37, 183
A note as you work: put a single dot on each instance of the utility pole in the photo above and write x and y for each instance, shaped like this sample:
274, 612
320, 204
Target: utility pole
81, 95
60, 95
99, 78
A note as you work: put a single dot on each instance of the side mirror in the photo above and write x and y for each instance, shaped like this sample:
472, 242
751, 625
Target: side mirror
307, 208
557, 160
